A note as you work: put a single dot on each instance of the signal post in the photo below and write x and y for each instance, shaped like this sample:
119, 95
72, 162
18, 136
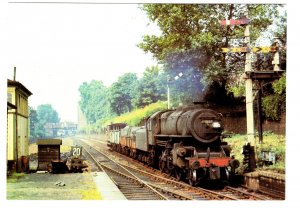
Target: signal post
248, 68
249, 76
249, 89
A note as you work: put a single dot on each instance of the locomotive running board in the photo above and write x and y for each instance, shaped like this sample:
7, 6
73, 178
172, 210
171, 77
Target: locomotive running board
182, 136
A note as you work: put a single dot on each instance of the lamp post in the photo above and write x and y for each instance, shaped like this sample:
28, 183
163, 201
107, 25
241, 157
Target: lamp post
168, 87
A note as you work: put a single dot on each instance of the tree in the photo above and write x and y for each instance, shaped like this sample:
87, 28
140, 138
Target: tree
33, 122
274, 94
46, 114
38, 118
192, 37
94, 101
151, 88
123, 92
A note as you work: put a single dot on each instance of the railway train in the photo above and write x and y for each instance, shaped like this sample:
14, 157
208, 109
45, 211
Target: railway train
185, 142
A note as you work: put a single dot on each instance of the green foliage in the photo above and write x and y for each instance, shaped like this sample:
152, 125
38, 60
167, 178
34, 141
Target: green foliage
272, 106
135, 117
99, 103
151, 88
238, 90
122, 93
279, 86
191, 40
33, 122
275, 104
14, 177
272, 142
38, 118
47, 114
94, 101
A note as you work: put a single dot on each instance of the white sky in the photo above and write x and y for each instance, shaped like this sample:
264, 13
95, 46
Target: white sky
56, 47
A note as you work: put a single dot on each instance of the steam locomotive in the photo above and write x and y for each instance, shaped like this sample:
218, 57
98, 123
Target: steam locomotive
185, 142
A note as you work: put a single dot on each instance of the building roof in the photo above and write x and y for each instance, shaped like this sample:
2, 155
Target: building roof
49, 141
11, 83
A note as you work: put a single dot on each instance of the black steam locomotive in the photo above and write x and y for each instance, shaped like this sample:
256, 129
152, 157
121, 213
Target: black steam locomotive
186, 143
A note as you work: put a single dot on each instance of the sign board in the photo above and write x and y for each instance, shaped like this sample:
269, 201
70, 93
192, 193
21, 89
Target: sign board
271, 49
76, 151
235, 22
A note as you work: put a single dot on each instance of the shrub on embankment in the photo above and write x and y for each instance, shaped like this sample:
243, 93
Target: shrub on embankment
135, 117
271, 142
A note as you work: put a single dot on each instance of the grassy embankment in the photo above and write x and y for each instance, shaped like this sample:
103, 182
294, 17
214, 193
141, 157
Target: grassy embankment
133, 118
271, 142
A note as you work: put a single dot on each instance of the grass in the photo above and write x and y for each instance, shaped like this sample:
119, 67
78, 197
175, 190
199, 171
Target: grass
135, 117
271, 142
14, 177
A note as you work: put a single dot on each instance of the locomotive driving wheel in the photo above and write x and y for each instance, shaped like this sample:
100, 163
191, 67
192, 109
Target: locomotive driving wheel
192, 177
161, 164
165, 162
179, 173
150, 158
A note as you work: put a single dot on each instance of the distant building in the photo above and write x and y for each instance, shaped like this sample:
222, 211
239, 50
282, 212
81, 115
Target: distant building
60, 129
17, 124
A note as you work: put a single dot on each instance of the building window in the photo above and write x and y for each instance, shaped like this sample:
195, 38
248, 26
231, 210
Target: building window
9, 97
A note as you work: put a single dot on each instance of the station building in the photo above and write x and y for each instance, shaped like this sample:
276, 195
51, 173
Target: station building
17, 126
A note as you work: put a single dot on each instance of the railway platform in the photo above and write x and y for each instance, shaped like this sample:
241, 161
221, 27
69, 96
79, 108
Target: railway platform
107, 188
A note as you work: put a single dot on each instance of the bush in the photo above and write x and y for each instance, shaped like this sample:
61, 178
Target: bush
271, 142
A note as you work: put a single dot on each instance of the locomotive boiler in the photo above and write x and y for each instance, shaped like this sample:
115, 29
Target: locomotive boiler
185, 142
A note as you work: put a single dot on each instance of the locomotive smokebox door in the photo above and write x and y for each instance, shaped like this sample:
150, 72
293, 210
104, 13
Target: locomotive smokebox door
76, 151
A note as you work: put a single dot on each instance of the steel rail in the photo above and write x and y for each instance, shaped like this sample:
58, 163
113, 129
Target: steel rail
133, 176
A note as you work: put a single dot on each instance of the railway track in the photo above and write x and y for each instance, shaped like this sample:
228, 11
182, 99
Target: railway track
165, 185
131, 185
242, 194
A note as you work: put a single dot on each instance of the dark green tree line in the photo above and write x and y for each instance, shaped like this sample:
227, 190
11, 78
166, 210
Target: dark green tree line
123, 92
127, 93
94, 101
151, 87
44, 113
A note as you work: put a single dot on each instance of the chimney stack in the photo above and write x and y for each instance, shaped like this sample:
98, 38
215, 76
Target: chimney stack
15, 70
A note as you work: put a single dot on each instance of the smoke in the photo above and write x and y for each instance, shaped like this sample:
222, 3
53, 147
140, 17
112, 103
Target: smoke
185, 72
194, 77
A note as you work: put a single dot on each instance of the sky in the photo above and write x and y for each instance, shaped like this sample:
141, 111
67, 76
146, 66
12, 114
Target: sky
57, 47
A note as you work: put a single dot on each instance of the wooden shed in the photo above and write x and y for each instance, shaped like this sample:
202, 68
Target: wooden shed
48, 151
